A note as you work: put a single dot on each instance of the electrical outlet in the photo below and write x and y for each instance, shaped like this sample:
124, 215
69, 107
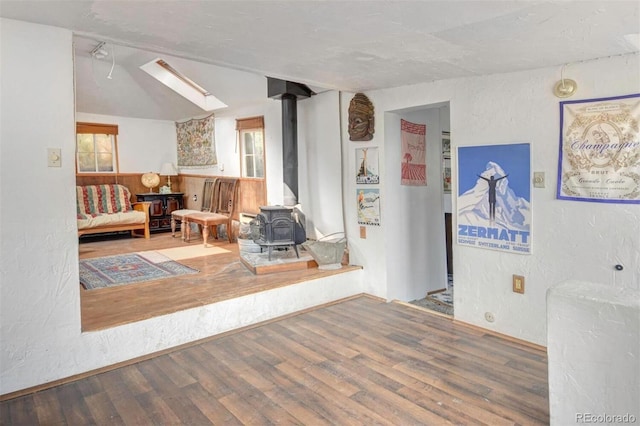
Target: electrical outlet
518, 284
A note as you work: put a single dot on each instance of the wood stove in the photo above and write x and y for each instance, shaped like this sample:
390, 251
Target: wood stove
275, 226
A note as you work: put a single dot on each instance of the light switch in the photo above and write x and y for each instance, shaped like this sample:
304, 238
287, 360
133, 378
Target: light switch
54, 157
538, 179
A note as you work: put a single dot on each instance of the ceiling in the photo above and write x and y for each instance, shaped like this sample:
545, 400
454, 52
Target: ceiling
343, 45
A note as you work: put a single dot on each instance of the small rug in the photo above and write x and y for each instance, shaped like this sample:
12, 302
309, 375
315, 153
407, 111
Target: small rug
441, 302
445, 297
191, 251
129, 268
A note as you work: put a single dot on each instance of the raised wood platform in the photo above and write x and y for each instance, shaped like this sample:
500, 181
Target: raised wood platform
281, 261
222, 277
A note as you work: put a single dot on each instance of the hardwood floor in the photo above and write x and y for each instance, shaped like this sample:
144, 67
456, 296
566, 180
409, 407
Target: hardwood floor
360, 361
221, 277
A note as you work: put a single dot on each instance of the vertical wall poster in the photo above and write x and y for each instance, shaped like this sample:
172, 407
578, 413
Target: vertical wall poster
494, 197
367, 166
446, 162
414, 167
368, 206
600, 150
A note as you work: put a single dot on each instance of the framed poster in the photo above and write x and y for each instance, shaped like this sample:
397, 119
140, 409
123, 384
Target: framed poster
413, 142
599, 157
446, 175
367, 166
494, 199
368, 206
446, 145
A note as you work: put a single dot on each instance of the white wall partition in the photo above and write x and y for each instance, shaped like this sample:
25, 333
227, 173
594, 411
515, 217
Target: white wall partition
570, 240
319, 165
594, 341
143, 145
40, 313
40, 335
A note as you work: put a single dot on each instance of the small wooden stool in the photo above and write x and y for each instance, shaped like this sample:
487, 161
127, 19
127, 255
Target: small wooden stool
206, 220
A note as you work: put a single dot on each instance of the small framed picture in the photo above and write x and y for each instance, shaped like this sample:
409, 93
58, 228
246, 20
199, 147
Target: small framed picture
446, 145
446, 175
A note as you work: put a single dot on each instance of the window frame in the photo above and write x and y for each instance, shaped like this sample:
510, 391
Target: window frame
251, 125
98, 129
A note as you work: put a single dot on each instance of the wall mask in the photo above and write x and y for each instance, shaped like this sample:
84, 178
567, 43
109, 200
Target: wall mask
361, 120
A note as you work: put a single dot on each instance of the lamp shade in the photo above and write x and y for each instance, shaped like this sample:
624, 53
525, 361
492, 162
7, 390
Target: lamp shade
168, 169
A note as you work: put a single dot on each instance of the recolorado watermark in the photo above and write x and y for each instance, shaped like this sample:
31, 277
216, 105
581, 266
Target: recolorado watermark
605, 418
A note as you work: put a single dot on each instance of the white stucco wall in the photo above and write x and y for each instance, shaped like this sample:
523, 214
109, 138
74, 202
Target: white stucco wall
571, 240
40, 334
594, 342
40, 317
143, 145
416, 263
320, 165
229, 151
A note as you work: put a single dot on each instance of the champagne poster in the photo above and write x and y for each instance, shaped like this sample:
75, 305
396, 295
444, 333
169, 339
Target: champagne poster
600, 150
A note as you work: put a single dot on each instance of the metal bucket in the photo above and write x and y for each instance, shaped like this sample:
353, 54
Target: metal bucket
327, 254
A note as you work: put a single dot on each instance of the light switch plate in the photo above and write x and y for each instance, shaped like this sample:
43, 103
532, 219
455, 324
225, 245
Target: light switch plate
54, 157
538, 179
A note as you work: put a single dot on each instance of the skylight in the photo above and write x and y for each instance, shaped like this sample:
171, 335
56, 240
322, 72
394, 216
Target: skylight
181, 84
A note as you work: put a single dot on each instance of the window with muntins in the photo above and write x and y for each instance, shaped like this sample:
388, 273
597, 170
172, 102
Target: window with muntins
96, 148
251, 135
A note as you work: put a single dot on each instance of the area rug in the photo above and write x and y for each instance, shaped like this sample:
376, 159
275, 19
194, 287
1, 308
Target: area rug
441, 301
101, 272
444, 297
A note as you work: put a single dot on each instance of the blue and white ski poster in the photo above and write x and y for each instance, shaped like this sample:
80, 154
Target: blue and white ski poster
494, 197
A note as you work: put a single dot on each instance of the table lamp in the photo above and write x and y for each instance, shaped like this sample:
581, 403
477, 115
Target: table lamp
168, 170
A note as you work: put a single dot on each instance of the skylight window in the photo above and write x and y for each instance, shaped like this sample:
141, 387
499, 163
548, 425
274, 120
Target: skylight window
181, 84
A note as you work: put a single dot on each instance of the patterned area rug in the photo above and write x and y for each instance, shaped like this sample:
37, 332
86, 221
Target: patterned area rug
445, 297
129, 268
441, 302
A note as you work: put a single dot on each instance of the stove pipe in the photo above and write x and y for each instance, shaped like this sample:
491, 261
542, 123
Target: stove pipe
288, 92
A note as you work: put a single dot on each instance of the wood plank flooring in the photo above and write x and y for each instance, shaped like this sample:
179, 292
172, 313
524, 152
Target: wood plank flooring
357, 362
221, 277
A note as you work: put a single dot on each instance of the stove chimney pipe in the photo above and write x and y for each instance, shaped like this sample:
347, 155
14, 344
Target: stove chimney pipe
289, 92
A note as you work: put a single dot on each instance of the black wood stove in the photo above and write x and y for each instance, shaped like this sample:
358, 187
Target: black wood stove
277, 226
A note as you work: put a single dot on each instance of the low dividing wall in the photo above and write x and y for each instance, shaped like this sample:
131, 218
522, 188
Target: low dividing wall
593, 342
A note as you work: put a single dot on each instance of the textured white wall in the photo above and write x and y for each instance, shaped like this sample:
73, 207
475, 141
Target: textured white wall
593, 347
40, 333
416, 263
571, 240
319, 164
143, 145
39, 319
229, 151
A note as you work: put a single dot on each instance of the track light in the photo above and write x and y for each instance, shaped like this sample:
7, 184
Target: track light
99, 52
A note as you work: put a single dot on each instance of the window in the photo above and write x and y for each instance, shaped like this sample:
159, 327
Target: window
251, 135
96, 148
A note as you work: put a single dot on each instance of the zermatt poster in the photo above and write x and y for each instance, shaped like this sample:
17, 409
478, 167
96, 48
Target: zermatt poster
494, 197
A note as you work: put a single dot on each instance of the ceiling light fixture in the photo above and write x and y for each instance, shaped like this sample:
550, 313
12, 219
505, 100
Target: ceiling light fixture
99, 52
565, 87
113, 61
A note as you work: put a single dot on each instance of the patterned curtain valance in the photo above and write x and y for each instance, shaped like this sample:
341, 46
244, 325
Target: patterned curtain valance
196, 143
